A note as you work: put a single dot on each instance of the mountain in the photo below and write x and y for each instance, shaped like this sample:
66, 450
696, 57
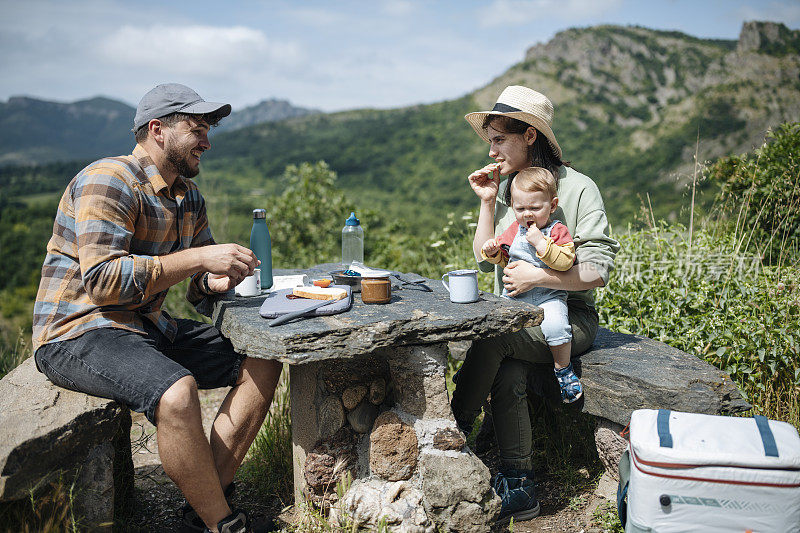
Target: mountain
34, 131
633, 101
632, 106
271, 110
38, 131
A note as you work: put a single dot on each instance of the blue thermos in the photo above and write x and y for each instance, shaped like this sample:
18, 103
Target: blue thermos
261, 245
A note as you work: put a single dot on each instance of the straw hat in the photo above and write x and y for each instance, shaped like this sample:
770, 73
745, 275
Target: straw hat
522, 104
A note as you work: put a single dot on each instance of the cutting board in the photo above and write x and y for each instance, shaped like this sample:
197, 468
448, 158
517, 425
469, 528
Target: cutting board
278, 304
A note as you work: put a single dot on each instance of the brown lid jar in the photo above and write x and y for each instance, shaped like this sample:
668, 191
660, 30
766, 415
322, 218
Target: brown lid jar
376, 290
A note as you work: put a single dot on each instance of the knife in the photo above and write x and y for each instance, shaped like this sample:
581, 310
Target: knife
420, 283
294, 314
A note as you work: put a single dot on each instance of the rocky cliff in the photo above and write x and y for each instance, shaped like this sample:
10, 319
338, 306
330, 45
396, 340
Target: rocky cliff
652, 87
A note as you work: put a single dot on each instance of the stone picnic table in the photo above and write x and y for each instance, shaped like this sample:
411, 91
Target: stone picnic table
368, 397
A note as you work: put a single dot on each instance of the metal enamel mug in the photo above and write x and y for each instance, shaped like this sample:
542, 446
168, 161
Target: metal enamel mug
463, 286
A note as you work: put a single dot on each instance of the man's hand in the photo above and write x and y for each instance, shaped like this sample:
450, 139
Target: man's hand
220, 283
227, 265
519, 277
491, 247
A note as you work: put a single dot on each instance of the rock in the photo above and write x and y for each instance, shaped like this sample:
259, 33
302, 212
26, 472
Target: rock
377, 391
397, 504
386, 417
353, 372
610, 445
330, 416
362, 417
95, 482
449, 479
45, 429
352, 396
393, 450
448, 439
458, 349
622, 373
418, 378
758, 36
467, 517
450, 482
329, 461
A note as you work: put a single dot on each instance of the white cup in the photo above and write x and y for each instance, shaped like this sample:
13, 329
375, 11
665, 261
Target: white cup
463, 286
251, 285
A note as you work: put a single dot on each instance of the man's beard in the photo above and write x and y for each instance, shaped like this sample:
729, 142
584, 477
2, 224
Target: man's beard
180, 162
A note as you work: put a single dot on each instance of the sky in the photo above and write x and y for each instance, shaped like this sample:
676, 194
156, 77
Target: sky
327, 55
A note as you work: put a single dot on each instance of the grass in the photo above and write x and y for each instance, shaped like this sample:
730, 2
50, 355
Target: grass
13, 353
268, 465
605, 517
48, 509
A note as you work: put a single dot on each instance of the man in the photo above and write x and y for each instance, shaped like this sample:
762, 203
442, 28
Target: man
126, 230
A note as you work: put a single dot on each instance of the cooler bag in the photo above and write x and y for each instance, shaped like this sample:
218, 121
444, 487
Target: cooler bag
693, 472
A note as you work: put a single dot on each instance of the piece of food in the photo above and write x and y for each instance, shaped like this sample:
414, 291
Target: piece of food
322, 282
320, 293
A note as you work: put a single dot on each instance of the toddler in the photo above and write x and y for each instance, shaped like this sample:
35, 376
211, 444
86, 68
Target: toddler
544, 243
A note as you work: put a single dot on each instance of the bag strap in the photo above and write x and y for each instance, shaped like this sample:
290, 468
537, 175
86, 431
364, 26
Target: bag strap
662, 425
762, 423
767, 438
622, 488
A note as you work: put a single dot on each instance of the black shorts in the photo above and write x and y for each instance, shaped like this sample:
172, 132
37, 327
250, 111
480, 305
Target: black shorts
136, 369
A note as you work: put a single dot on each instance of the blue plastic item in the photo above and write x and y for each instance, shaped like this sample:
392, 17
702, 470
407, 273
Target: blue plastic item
261, 244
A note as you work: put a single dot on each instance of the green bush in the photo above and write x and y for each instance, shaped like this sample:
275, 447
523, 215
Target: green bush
715, 300
761, 191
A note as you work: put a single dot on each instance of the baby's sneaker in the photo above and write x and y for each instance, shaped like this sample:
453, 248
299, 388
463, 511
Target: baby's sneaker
571, 388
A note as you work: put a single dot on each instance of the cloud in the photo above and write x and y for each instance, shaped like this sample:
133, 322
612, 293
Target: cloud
191, 50
398, 8
521, 12
788, 13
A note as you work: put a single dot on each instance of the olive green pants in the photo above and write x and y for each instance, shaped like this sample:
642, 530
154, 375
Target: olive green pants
510, 366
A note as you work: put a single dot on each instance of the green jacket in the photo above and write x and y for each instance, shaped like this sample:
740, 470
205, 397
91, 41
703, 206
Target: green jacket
581, 209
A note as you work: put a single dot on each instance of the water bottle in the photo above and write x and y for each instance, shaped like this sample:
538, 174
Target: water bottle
261, 245
352, 241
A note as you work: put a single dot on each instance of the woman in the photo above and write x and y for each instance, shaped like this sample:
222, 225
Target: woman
518, 130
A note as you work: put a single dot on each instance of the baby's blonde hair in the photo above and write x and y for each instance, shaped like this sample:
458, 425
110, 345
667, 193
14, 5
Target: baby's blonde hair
535, 179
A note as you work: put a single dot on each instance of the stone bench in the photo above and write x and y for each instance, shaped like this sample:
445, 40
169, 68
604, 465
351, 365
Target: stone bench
622, 373
47, 431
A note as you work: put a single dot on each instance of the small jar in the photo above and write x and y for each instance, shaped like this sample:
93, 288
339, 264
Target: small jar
376, 290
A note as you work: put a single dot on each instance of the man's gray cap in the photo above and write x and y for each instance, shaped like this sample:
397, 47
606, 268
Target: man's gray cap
169, 98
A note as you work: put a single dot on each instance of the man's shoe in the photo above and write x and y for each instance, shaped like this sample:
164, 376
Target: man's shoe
190, 521
518, 496
236, 522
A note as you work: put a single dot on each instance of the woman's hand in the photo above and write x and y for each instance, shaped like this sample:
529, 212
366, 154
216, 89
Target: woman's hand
520, 277
486, 182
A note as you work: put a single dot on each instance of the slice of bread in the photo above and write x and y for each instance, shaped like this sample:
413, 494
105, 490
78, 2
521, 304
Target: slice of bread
320, 293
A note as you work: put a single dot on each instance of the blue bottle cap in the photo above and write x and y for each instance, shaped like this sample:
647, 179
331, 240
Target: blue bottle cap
352, 221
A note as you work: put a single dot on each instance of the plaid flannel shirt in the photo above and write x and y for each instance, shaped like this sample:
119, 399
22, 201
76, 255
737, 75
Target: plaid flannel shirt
116, 217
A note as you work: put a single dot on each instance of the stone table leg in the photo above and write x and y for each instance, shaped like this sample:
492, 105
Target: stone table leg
441, 480
302, 383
